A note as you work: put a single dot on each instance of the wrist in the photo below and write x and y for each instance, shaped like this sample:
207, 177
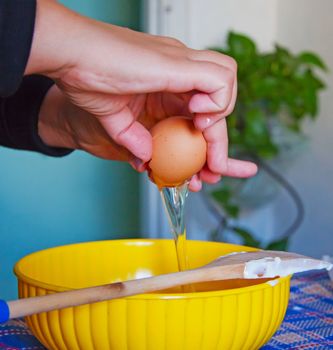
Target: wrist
52, 127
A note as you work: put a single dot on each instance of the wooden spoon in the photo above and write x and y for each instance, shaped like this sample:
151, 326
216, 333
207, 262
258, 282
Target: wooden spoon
257, 264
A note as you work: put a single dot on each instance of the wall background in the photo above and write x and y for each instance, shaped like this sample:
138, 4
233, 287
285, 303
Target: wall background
119, 12
299, 25
304, 24
46, 201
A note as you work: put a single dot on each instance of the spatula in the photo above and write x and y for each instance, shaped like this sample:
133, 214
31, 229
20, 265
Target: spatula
257, 264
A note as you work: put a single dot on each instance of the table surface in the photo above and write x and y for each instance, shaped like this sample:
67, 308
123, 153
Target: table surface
308, 323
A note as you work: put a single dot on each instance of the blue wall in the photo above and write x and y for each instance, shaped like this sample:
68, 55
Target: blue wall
120, 12
46, 201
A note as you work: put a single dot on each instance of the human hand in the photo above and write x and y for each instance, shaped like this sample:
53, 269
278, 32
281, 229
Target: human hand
62, 124
128, 80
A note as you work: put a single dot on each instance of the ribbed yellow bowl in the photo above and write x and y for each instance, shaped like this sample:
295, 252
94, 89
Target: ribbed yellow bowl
221, 315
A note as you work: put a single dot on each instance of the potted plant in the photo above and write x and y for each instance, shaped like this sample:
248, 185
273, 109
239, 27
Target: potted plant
277, 92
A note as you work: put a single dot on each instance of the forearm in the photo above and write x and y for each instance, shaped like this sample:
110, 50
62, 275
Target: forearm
55, 47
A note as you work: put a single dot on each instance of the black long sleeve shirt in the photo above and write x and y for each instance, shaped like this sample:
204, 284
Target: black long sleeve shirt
20, 98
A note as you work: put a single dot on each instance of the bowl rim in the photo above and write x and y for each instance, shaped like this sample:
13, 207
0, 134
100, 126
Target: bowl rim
21, 277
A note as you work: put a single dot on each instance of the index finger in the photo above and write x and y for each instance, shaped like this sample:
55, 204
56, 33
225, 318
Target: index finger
212, 84
202, 118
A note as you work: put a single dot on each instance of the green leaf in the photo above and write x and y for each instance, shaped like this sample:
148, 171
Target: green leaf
282, 51
307, 95
241, 45
247, 236
266, 86
221, 195
232, 210
256, 123
310, 99
268, 151
311, 58
281, 244
318, 83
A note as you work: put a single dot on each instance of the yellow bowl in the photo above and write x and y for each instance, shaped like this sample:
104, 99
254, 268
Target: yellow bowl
221, 315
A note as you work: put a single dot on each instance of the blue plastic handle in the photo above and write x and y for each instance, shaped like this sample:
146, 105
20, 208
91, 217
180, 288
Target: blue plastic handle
4, 311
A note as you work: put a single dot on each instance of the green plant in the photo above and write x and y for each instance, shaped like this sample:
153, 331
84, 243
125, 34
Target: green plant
273, 87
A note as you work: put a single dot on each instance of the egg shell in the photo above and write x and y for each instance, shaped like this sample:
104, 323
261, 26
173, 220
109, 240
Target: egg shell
179, 151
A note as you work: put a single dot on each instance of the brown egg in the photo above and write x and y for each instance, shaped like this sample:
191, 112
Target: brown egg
179, 151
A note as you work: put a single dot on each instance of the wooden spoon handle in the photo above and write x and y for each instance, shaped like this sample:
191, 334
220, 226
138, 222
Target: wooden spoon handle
49, 302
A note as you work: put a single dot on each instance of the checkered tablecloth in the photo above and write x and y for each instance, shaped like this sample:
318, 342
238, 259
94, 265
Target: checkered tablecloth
309, 320
308, 323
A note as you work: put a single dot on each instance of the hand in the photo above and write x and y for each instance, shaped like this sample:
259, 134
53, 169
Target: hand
62, 124
125, 78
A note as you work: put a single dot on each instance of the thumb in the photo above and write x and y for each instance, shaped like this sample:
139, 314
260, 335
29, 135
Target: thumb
125, 130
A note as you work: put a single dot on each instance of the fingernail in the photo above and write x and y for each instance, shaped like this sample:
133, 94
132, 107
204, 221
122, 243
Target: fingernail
137, 163
195, 184
202, 123
206, 122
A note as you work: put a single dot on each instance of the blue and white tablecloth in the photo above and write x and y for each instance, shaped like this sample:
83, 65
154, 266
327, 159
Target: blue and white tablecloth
309, 320
308, 323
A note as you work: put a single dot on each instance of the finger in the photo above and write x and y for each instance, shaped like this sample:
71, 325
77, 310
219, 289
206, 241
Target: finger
213, 82
217, 147
215, 100
217, 154
240, 168
138, 165
236, 168
209, 177
204, 120
195, 184
127, 132
230, 77
213, 56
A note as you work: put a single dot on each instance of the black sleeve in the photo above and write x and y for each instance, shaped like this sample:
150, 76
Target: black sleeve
19, 110
17, 20
19, 117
